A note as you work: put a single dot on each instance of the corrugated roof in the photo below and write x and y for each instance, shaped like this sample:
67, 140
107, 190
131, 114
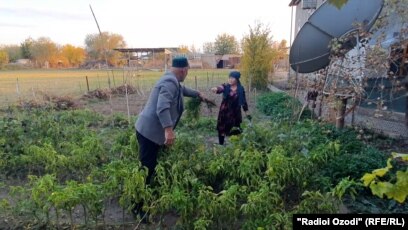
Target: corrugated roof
158, 50
294, 2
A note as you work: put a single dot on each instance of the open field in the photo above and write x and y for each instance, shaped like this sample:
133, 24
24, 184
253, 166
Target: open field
26, 84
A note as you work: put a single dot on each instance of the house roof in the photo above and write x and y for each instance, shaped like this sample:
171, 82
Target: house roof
226, 57
294, 2
157, 50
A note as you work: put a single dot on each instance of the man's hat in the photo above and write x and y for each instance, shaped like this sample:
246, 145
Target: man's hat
179, 62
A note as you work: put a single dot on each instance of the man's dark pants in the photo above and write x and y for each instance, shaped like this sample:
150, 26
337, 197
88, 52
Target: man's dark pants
148, 151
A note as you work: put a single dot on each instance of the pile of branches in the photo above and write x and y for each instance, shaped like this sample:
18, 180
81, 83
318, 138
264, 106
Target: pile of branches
102, 94
50, 102
64, 103
123, 89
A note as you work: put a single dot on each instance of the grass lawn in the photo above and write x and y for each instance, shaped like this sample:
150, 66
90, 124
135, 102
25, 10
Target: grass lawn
25, 84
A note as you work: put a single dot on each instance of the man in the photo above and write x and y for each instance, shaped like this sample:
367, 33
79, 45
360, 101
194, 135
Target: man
156, 123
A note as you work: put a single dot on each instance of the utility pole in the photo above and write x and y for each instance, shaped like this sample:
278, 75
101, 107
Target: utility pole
100, 35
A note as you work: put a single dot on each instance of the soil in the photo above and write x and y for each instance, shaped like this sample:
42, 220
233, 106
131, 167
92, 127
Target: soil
115, 216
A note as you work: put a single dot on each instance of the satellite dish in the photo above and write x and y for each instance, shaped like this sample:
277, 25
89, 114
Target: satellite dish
310, 50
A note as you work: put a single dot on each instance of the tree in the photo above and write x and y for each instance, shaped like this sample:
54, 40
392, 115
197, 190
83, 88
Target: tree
44, 50
194, 50
100, 47
208, 48
256, 62
74, 55
183, 49
226, 44
14, 52
338, 3
280, 52
26, 48
4, 58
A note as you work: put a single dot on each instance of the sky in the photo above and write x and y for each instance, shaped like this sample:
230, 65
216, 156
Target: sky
143, 24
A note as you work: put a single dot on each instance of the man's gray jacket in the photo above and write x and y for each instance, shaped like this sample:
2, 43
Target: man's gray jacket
163, 108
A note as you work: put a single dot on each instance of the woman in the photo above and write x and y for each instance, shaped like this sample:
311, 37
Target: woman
230, 116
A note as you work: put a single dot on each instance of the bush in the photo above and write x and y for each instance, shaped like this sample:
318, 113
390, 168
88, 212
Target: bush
354, 164
280, 106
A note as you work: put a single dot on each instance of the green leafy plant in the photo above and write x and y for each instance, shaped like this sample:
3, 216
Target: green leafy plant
280, 106
389, 182
41, 190
193, 108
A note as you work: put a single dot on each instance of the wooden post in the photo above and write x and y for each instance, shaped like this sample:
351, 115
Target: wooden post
113, 74
352, 117
18, 88
34, 96
296, 81
87, 83
208, 81
341, 111
99, 82
127, 101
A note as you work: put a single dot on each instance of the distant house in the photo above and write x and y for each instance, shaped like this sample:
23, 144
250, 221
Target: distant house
195, 63
229, 61
209, 61
23, 62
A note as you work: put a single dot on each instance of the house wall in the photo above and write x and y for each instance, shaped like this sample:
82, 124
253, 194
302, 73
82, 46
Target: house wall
355, 62
209, 61
302, 15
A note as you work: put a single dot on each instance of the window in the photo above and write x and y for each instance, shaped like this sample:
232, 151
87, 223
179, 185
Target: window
309, 4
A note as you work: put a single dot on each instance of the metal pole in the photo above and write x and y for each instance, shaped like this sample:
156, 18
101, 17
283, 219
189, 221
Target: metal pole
291, 27
290, 39
100, 35
97, 24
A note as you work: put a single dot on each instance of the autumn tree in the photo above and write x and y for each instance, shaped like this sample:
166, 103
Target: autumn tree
256, 62
208, 48
226, 44
183, 49
100, 47
73, 55
280, 52
4, 58
13, 51
44, 50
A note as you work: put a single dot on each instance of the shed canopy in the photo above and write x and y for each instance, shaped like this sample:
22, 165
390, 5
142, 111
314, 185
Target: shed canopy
139, 50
